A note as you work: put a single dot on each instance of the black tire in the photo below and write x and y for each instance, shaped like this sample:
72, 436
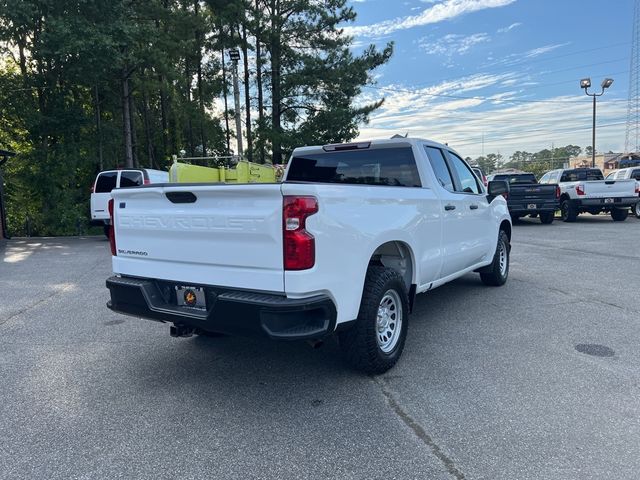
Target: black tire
106, 229
636, 210
568, 212
495, 275
619, 214
546, 217
360, 344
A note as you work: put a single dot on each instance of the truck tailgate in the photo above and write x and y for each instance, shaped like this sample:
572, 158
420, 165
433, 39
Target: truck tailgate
532, 192
221, 235
609, 188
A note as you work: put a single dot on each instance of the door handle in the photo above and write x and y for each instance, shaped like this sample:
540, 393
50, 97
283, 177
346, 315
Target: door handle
473, 206
449, 207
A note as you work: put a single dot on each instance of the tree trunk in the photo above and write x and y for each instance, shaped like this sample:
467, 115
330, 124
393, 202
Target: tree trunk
163, 118
198, 34
226, 106
134, 135
99, 129
258, 35
275, 83
126, 120
147, 130
247, 97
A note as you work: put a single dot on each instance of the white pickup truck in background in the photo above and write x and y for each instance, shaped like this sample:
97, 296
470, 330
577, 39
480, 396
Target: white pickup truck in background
625, 174
585, 190
342, 246
107, 180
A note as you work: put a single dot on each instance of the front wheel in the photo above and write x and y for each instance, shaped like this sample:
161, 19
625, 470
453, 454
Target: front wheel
619, 214
546, 217
497, 273
375, 342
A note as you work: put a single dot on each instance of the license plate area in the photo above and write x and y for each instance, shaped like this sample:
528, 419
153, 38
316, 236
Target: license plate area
191, 297
532, 206
608, 200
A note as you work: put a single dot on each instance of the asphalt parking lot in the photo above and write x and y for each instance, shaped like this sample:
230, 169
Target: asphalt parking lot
490, 386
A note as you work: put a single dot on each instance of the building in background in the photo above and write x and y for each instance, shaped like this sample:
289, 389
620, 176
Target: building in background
604, 161
4, 156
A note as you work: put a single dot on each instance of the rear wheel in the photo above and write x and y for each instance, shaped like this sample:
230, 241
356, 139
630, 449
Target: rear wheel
568, 212
497, 273
619, 214
636, 210
376, 340
546, 217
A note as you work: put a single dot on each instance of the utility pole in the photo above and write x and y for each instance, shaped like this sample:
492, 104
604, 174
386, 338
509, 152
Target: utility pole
234, 55
585, 83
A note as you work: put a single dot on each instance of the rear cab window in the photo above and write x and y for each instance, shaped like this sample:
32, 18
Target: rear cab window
131, 178
106, 182
392, 167
517, 179
581, 175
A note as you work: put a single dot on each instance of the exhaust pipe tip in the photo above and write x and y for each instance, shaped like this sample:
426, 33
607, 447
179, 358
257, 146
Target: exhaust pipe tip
180, 331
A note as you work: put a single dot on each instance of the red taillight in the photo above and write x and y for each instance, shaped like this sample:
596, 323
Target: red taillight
112, 231
557, 191
580, 189
299, 245
147, 181
637, 187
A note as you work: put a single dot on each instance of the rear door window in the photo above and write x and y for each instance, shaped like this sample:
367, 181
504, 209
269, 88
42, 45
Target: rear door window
394, 167
636, 174
130, 179
440, 168
106, 182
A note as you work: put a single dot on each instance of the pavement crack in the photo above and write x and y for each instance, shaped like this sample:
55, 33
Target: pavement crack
418, 431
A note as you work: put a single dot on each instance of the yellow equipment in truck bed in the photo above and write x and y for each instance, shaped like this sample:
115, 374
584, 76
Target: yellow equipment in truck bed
243, 172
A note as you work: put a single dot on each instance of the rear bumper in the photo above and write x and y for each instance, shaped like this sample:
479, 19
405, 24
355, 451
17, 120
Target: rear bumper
522, 207
231, 312
618, 202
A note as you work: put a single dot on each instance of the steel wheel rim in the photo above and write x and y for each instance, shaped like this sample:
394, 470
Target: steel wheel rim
389, 321
638, 209
502, 258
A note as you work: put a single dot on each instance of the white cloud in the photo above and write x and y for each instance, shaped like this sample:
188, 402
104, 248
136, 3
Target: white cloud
437, 13
509, 28
506, 125
536, 52
452, 44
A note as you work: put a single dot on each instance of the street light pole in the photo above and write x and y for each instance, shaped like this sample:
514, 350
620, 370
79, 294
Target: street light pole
234, 54
585, 83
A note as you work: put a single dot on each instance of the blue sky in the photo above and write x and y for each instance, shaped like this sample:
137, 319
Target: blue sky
507, 71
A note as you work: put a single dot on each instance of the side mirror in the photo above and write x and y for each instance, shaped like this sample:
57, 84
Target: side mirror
497, 187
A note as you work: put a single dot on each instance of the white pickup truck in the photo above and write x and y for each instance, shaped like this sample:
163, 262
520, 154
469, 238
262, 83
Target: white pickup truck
342, 246
585, 190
